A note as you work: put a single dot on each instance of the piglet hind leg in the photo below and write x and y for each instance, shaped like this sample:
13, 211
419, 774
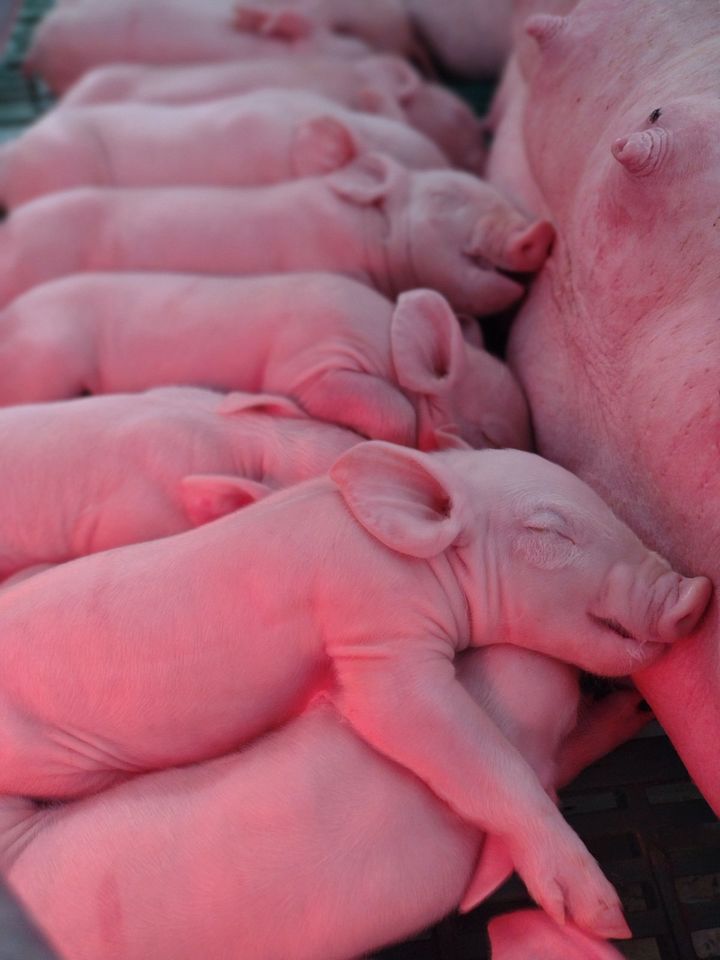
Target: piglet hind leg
405, 700
361, 402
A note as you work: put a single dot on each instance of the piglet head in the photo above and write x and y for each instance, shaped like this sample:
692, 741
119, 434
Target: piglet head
463, 238
430, 108
568, 577
543, 561
460, 389
445, 230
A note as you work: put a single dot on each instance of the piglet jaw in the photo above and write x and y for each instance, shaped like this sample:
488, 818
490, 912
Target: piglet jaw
683, 615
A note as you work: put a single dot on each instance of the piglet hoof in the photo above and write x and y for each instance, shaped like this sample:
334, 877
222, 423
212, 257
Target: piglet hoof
529, 934
568, 884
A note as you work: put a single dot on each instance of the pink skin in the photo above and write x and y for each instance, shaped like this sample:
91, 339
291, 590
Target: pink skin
374, 221
217, 454
350, 897
256, 139
617, 345
370, 597
383, 85
531, 933
508, 167
382, 24
346, 354
468, 37
76, 37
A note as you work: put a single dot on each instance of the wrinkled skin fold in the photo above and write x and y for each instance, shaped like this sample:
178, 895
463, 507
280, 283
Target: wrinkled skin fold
617, 346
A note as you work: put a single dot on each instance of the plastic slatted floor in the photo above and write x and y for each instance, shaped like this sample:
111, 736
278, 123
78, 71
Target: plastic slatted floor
637, 810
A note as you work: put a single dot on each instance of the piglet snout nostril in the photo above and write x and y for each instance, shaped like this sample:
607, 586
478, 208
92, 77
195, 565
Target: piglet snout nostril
528, 250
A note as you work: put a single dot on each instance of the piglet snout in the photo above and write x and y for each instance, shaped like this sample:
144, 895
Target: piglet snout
528, 249
682, 616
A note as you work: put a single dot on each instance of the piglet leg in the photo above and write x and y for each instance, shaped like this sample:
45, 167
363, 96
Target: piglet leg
602, 727
531, 934
404, 699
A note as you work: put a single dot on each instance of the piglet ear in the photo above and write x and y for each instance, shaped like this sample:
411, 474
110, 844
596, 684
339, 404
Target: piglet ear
206, 497
402, 78
445, 439
322, 145
428, 349
270, 403
400, 496
281, 23
367, 181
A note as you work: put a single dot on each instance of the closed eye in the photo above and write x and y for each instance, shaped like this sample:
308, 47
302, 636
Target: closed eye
613, 625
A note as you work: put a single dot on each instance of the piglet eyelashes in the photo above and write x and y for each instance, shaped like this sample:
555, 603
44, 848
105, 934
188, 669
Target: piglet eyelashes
641, 153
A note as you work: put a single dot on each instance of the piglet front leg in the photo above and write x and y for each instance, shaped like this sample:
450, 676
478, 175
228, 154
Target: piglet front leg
405, 700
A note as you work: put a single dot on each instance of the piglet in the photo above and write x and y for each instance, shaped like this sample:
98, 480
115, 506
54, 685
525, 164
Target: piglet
342, 351
532, 934
353, 868
364, 584
75, 37
255, 139
94, 473
375, 221
468, 37
383, 85
383, 24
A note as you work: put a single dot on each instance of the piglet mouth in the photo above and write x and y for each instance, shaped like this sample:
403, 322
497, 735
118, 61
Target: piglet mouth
505, 284
615, 626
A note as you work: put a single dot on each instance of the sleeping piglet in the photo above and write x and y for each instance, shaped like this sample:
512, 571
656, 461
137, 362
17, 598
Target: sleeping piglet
400, 372
97, 472
359, 852
365, 584
383, 85
252, 140
75, 37
386, 226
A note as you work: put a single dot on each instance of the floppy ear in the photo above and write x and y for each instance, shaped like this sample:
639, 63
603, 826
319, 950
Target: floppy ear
321, 145
282, 23
428, 349
402, 78
367, 181
206, 497
445, 440
400, 496
269, 403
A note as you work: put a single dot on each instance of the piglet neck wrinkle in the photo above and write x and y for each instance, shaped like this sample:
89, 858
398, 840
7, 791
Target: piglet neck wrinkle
388, 244
444, 570
478, 581
253, 447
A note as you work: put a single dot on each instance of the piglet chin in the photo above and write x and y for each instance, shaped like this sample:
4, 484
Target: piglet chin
498, 291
